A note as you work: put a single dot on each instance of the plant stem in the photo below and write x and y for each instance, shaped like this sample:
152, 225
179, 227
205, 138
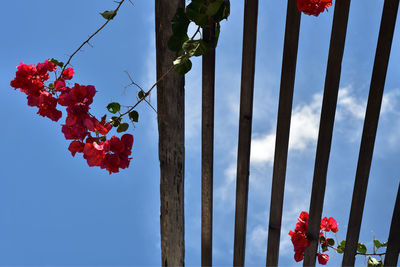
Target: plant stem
147, 93
90, 37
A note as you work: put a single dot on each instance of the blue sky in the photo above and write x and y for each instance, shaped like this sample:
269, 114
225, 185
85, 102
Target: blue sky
56, 211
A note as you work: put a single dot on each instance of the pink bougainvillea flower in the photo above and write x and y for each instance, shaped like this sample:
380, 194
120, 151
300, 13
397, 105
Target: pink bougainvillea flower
322, 258
313, 7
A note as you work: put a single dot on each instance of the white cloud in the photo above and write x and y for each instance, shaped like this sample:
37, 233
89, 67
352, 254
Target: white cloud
262, 149
390, 102
303, 133
258, 240
227, 190
304, 124
349, 105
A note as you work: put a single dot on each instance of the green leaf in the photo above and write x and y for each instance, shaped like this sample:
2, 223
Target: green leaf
114, 107
180, 23
51, 85
182, 64
175, 42
223, 12
340, 247
196, 47
115, 121
134, 116
108, 14
141, 94
384, 244
195, 11
322, 238
377, 243
374, 262
58, 63
123, 127
361, 248
331, 242
213, 7
103, 138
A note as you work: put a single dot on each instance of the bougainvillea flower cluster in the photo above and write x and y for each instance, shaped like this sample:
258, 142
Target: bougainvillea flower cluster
313, 7
112, 154
301, 242
299, 238
30, 80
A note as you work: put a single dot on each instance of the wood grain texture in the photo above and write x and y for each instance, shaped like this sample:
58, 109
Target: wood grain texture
207, 148
282, 130
332, 79
245, 123
378, 78
171, 107
393, 248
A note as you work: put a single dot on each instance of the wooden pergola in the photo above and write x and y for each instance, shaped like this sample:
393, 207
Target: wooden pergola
170, 97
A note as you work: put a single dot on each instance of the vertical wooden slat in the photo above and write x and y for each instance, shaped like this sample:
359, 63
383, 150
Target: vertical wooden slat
282, 130
370, 127
170, 105
207, 148
332, 79
245, 121
393, 248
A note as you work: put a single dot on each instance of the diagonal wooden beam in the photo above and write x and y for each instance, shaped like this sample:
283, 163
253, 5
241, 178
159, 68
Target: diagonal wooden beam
379, 71
393, 248
282, 130
207, 148
171, 110
332, 79
245, 121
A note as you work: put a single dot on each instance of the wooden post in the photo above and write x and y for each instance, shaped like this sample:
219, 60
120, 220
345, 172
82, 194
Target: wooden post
171, 108
372, 113
282, 131
245, 121
207, 148
328, 110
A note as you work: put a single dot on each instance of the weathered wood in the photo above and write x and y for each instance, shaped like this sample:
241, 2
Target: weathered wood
207, 148
245, 122
393, 248
282, 130
332, 79
170, 105
370, 127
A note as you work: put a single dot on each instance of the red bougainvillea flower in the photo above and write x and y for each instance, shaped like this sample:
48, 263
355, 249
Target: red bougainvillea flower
313, 7
76, 146
30, 80
121, 149
79, 94
68, 73
298, 237
113, 154
329, 225
303, 222
322, 258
